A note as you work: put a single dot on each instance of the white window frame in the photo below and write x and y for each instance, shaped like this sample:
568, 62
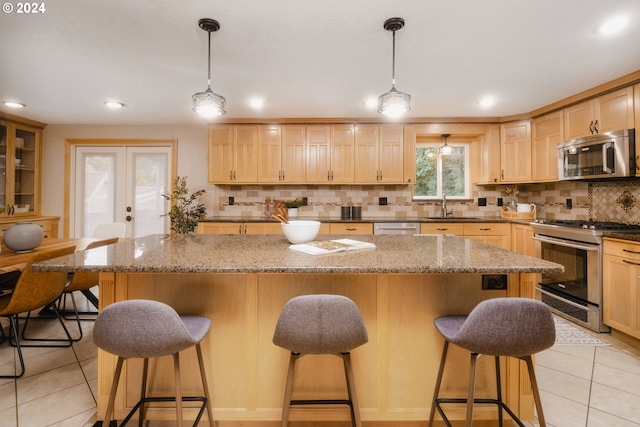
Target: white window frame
467, 171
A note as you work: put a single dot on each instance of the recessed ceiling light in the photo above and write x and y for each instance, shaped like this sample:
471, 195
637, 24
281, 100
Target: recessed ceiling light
486, 102
613, 25
114, 104
12, 104
371, 103
256, 103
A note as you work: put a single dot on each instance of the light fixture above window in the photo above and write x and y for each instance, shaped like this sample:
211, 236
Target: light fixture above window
445, 149
394, 103
209, 104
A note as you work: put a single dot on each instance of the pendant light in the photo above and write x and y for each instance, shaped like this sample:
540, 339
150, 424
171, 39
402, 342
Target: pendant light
394, 103
446, 149
209, 104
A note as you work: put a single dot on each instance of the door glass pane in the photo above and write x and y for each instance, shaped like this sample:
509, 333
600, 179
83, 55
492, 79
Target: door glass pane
150, 182
24, 171
3, 164
99, 191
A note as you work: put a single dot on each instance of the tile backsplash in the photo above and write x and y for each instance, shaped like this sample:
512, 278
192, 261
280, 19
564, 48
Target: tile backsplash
617, 200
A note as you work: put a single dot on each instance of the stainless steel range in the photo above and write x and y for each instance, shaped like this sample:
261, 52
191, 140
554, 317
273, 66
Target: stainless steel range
575, 294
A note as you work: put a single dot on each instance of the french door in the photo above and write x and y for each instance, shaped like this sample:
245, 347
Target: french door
120, 184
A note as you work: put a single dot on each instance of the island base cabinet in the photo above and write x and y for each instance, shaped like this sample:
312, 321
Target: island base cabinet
395, 372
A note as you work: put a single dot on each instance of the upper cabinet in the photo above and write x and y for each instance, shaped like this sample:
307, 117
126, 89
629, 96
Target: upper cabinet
330, 154
487, 157
515, 151
379, 154
233, 154
612, 111
547, 131
636, 103
20, 163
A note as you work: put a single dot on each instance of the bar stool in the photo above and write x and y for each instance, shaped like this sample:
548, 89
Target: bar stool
144, 329
512, 327
320, 324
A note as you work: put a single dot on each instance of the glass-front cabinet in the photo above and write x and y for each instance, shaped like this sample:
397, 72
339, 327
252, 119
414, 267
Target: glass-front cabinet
19, 168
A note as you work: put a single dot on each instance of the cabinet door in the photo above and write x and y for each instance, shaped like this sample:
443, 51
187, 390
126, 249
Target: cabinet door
636, 103
515, 152
366, 158
456, 229
487, 157
351, 228
220, 154
318, 154
614, 111
220, 228
620, 284
391, 154
342, 154
269, 154
547, 132
578, 120
263, 228
293, 154
495, 234
245, 154
522, 240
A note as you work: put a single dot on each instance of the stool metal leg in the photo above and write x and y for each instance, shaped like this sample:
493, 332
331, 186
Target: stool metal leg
436, 392
351, 389
499, 391
472, 386
203, 375
286, 405
112, 394
176, 374
143, 391
536, 391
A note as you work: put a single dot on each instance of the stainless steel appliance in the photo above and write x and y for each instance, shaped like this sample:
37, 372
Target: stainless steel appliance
604, 155
396, 228
575, 294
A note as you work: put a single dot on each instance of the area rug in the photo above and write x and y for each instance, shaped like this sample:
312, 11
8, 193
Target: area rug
569, 335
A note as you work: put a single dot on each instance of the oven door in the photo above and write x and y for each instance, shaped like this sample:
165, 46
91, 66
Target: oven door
577, 292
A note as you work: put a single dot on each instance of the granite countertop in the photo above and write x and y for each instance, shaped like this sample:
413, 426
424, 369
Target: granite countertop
363, 219
633, 236
271, 254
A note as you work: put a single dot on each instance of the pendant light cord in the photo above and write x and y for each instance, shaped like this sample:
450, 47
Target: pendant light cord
209, 62
393, 61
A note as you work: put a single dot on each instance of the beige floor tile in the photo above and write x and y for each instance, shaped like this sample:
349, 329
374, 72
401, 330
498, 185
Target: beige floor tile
85, 419
564, 361
7, 396
611, 356
584, 352
37, 386
9, 417
41, 360
615, 402
561, 384
562, 412
602, 419
617, 378
56, 407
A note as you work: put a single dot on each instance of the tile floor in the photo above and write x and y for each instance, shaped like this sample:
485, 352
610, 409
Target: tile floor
580, 386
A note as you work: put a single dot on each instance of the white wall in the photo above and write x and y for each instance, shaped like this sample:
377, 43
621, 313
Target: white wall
192, 156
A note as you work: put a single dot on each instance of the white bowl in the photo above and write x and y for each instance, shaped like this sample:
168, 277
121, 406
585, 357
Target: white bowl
301, 231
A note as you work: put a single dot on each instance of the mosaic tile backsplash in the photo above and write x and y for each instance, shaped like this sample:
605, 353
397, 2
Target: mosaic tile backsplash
604, 201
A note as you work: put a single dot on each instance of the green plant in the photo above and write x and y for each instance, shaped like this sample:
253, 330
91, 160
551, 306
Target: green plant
294, 203
185, 210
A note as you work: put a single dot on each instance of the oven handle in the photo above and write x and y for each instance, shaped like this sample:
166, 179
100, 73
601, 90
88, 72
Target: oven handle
564, 301
605, 165
565, 243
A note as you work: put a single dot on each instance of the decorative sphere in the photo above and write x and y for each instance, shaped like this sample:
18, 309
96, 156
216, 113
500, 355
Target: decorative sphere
24, 236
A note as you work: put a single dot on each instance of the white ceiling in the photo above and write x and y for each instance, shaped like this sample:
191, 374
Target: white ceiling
306, 58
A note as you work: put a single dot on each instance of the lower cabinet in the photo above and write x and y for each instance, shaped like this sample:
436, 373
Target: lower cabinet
522, 240
350, 228
621, 281
492, 233
455, 228
247, 228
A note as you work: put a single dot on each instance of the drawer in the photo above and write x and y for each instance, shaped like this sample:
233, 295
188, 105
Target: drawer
455, 228
351, 228
486, 228
629, 250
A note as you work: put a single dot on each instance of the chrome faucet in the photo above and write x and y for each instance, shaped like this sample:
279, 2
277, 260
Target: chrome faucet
445, 212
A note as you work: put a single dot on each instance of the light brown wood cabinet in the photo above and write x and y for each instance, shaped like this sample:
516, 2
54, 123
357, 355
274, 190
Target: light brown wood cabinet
487, 157
522, 240
455, 228
20, 166
233, 154
49, 226
621, 284
254, 227
515, 151
492, 233
612, 111
330, 154
379, 154
547, 131
636, 103
269, 154
350, 228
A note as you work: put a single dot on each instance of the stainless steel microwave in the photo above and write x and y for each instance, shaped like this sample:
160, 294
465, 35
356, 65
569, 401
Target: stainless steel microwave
604, 155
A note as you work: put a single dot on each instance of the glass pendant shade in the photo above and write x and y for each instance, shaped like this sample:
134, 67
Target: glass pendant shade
209, 104
394, 103
445, 149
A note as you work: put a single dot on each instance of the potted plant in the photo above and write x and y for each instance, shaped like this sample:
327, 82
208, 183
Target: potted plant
186, 211
293, 206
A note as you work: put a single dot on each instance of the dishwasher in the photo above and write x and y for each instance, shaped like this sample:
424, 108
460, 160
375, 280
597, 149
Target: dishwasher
396, 228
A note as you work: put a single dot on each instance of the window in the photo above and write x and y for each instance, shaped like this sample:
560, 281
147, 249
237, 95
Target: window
438, 174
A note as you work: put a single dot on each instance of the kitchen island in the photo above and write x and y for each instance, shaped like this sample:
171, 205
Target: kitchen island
242, 283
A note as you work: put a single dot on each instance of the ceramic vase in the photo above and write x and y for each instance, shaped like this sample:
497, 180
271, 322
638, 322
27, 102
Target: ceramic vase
24, 236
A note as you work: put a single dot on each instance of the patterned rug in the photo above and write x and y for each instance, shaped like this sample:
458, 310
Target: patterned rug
568, 334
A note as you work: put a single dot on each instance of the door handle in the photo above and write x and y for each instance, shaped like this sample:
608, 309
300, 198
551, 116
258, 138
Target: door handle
129, 218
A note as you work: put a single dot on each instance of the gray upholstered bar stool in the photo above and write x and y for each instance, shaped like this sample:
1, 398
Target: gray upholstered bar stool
144, 329
320, 324
512, 327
